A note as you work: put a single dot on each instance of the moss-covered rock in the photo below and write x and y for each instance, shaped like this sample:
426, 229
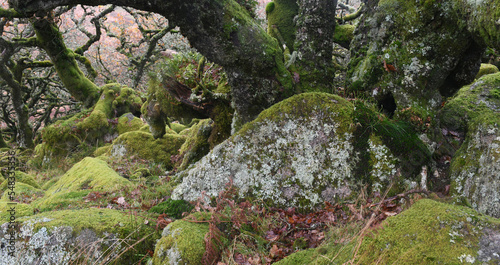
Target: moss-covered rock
486, 69
90, 174
128, 122
21, 177
92, 127
429, 232
300, 152
102, 150
412, 53
173, 208
182, 242
177, 127
344, 35
475, 167
68, 236
196, 145
143, 145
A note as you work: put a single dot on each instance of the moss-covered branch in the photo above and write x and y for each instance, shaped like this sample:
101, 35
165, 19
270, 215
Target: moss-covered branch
10, 13
64, 60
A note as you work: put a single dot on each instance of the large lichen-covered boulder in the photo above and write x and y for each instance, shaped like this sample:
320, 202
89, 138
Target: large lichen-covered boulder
412, 53
300, 152
429, 232
90, 174
182, 242
143, 145
475, 167
96, 236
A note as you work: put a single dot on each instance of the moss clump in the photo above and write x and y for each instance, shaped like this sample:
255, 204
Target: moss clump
173, 208
102, 150
429, 232
105, 223
177, 127
21, 177
280, 14
91, 127
196, 145
90, 174
128, 122
23, 193
143, 145
343, 35
181, 241
486, 69
22, 209
222, 115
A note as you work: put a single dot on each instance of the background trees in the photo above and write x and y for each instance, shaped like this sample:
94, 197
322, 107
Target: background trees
54, 63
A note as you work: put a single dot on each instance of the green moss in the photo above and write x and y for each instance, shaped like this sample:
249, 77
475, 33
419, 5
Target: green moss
222, 115
468, 106
177, 127
51, 40
21, 177
105, 223
143, 145
269, 7
297, 105
23, 193
280, 21
173, 208
66, 135
128, 122
196, 145
344, 34
486, 69
182, 241
429, 232
102, 150
22, 209
88, 175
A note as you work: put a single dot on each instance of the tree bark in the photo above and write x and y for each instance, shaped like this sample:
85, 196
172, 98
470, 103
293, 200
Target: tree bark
314, 43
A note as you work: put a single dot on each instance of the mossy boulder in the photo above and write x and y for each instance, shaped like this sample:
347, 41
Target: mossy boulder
429, 232
128, 122
90, 174
90, 126
21, 177
69, 236
173, 208
344, 34
412, 53
177, 127
486, 69
196, 145
475, 167
299, 153
182, 242
143, 145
